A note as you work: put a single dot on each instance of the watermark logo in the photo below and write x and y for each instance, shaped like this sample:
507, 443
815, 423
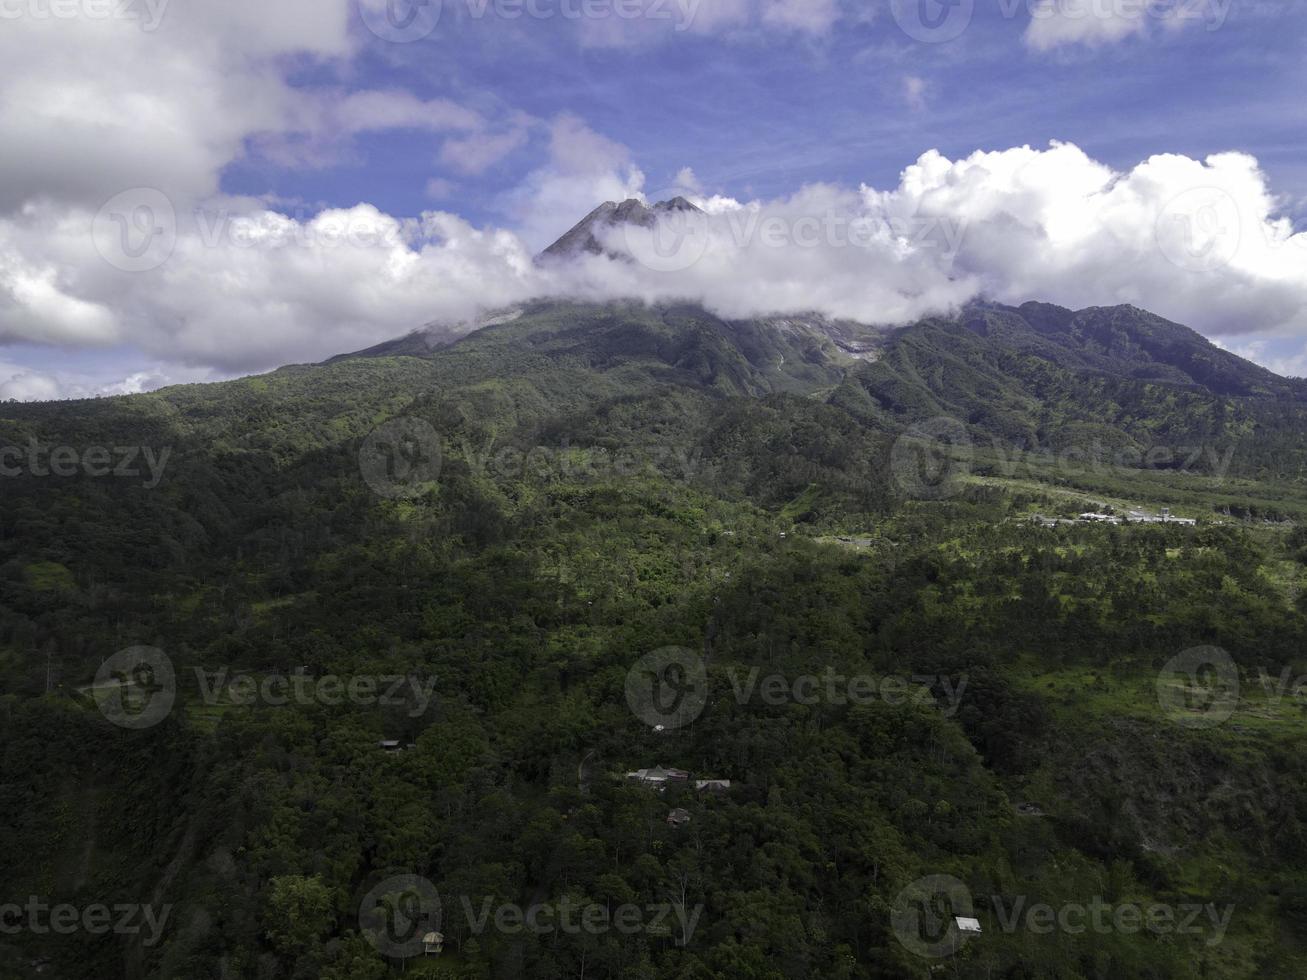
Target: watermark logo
925, 916
401, 916
934, 917
400, 459
406, 21
1200, 230
1285, 684
933, 21
675, 241
941, 21
135, 688
1199, 688
668, 688
136, 231
401, 21
930, 460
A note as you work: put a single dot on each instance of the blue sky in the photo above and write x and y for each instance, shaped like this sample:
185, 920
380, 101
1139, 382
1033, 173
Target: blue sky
235, 139
758, 113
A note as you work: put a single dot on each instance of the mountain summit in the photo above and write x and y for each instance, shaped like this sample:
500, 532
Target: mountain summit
586, 236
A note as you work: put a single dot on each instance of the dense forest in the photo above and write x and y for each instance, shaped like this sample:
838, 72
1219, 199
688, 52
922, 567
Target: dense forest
394, 609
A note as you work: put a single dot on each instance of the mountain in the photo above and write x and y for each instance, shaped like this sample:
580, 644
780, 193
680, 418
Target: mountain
1130, 342
1039, 375
587, 236
431, 337
515, 514
1036, 377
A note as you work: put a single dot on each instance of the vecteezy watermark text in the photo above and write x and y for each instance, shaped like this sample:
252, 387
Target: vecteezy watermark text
679, 239
932, 460
935, 916
573, 918
406, 21
403, 916
404, 457
668, 688
147, 13
40, 918
566, 461
137, 687
276, 690
38, 459
835, 688
941, 21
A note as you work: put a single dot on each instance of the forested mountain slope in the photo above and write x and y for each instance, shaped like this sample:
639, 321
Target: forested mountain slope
605, 482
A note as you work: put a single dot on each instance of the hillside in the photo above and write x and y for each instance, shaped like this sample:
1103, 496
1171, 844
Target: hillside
606, 482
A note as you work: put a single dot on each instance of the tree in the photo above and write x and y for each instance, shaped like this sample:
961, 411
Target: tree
299, 913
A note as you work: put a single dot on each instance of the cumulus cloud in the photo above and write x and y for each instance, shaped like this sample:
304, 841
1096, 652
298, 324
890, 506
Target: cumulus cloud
1201, 242
17, 384
238, 290
99, 105
24, 383
583, 169
115, 235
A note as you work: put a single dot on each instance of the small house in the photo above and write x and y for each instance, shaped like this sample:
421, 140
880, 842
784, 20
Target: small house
388, 745
658, 776
678, 817
433, 944
712, 785
968, 925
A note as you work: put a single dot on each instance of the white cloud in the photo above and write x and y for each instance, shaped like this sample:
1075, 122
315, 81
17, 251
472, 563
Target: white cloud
574, 148
687, 182
227, 285
914, 92
28, 386
23, 383
1055, 23
370, 111
1095, 23
808, 16
476, 153
583, 170
440, 189
1197, 241
99, 105
730, 20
